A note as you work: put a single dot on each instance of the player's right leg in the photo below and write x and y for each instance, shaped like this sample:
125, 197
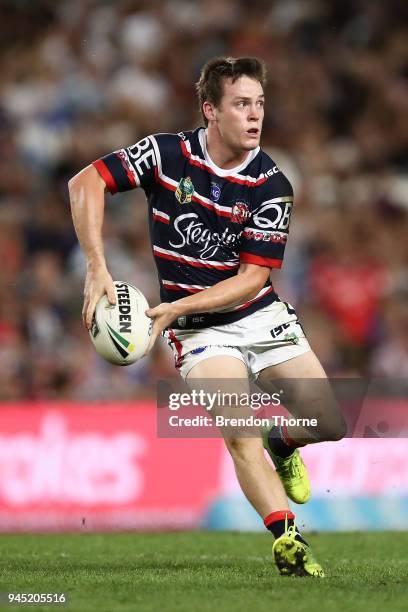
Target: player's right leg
259, 482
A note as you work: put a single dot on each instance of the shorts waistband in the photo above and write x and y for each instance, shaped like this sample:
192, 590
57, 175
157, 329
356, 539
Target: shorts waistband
202, 320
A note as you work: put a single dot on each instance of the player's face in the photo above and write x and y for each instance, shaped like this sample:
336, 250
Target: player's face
240, 114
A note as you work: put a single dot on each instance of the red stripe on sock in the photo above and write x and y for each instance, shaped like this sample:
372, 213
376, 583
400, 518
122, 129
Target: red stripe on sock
279, 515
287, 439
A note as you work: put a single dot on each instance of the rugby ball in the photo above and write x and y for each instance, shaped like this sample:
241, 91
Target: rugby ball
120, 332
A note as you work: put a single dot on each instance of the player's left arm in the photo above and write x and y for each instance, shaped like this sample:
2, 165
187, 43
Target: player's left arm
227, 293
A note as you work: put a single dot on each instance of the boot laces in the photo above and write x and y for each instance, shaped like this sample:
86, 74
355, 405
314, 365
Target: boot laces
290, 468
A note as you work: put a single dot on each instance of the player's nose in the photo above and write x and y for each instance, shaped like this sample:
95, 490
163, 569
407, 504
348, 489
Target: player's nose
254, 112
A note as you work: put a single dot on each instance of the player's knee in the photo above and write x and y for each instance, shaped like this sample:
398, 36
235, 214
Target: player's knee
334, 431
331, 425
340, 430
244, 449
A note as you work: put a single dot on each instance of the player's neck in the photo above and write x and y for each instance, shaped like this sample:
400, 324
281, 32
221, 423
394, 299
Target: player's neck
222, 155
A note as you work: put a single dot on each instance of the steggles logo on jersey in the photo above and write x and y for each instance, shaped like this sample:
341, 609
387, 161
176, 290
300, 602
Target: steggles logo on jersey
185, 190
193, 231
239, 213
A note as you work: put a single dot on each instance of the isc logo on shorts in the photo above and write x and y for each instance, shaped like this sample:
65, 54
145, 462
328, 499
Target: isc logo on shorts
276, 331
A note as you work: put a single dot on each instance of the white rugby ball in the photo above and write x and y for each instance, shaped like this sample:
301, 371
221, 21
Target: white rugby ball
121, 332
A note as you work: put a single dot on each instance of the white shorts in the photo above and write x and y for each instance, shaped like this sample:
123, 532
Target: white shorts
267, 337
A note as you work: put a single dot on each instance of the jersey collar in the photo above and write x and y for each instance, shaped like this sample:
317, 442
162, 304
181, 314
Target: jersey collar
202, 138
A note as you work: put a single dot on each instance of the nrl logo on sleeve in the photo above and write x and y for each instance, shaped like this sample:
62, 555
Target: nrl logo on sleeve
185, 190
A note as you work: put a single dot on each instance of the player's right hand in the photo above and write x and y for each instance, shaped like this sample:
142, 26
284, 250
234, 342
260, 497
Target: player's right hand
98, 282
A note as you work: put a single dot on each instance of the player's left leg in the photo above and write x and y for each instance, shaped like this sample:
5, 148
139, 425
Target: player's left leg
257, 479
308, 395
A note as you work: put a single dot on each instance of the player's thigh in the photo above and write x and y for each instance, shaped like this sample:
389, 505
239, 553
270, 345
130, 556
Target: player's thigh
220, 367
225, 379
303, 366
303, 375
307, 392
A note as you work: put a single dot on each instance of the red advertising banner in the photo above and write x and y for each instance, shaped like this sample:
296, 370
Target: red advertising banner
100, 466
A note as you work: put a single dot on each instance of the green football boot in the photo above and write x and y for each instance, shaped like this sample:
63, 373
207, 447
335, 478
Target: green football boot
293, 558
292, 472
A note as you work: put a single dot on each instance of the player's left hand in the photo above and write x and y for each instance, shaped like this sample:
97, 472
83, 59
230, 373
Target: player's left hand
162, 316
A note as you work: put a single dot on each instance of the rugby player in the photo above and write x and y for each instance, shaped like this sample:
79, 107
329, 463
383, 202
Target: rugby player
219, 211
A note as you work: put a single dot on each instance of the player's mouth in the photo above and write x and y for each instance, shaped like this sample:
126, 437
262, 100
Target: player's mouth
253, 132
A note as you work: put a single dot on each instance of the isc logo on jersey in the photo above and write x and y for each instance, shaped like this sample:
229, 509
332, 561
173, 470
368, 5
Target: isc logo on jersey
121, 332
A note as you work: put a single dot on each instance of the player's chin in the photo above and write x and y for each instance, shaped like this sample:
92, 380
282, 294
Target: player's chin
250, 142
250, 146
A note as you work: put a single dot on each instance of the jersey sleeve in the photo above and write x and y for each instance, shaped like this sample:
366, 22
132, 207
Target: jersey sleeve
128, 168
266, 232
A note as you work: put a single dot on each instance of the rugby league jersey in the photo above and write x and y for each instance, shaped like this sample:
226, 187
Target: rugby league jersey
204, 220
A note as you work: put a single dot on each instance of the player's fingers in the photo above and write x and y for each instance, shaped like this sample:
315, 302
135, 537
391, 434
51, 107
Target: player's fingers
111, 293
89, 313
85, 310
152, 340
157, 311
151, 312
151, 344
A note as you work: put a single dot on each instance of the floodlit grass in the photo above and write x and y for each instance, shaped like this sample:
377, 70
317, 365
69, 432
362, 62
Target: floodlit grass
214, 572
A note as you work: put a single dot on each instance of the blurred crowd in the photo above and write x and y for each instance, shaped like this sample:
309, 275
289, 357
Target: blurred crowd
80, 78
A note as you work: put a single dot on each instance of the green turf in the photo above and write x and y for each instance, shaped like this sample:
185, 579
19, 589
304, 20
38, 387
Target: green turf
214, 572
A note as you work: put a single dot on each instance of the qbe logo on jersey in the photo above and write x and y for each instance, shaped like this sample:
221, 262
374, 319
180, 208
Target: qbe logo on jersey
143, 157
274, 214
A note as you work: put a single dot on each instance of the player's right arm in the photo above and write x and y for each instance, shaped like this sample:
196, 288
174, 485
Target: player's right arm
119, 171
87, 197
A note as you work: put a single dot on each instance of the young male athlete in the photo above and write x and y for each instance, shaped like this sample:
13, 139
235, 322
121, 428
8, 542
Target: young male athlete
219, 211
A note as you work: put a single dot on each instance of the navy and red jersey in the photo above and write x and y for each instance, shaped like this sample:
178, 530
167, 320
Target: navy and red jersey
204, 220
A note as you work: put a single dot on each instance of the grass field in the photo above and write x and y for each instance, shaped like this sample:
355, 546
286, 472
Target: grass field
214, 572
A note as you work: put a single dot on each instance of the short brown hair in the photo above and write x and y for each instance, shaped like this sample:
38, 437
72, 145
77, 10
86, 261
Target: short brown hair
210, 86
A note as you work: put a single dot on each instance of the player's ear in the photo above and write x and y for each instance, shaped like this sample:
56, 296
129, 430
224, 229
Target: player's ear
209, 111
